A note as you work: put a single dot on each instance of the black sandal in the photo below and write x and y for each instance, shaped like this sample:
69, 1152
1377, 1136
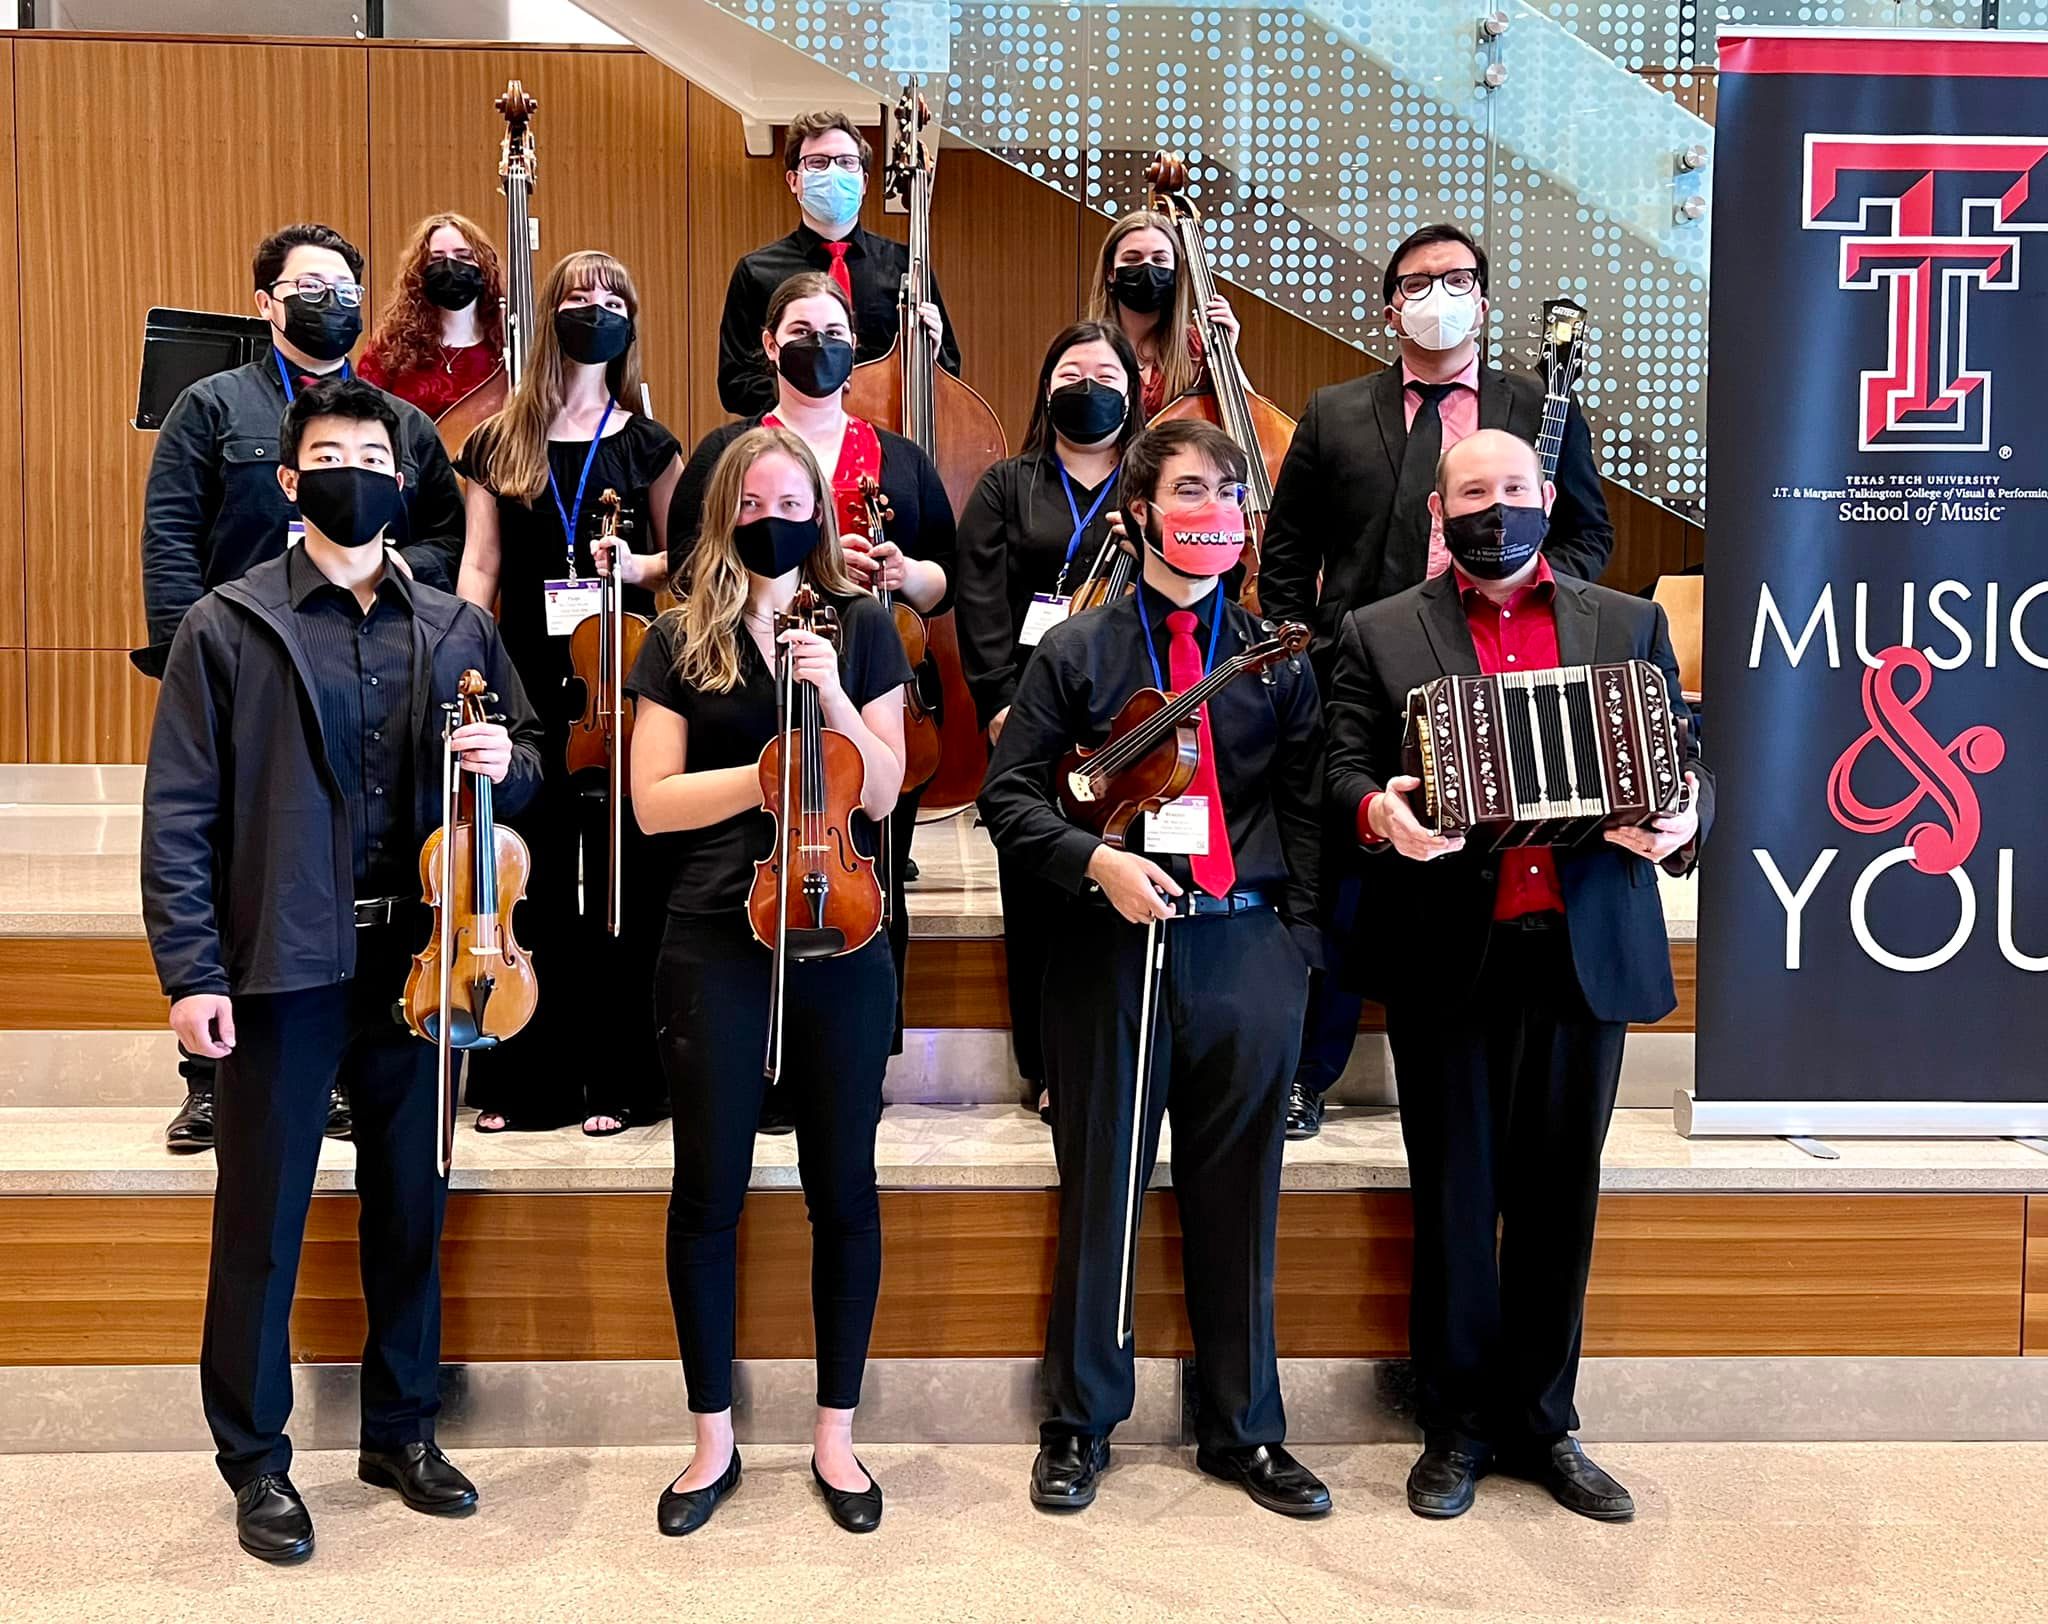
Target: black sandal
504, 1122
605, 1133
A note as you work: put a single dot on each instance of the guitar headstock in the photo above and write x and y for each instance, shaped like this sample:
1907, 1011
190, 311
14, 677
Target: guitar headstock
516, 155
1564, 345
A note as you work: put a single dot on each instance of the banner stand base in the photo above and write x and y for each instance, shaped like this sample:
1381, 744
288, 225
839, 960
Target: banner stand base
1857, 1119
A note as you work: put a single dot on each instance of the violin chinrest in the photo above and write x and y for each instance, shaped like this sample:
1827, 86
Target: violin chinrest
814, 942
462, 1032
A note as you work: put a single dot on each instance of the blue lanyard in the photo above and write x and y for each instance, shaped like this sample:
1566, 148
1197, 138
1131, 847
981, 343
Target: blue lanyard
571, 518
1081, 520
1152, 654
285, 378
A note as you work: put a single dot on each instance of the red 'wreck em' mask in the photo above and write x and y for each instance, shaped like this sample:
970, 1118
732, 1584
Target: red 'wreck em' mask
1202, 541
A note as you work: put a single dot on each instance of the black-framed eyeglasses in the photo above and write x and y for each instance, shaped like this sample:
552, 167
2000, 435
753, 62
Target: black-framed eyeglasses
315, 290
1460, 279
818, 162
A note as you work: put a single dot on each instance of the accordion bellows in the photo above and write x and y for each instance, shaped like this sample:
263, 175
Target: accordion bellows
1543, 758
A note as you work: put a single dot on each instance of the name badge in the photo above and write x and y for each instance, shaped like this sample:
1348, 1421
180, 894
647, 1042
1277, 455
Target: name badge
294, 533
1180, 827
570, 603
1046, 612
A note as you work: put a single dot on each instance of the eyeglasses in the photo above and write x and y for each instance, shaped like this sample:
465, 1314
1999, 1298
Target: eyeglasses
315, 290
818, 162
1189, 493
1461, 280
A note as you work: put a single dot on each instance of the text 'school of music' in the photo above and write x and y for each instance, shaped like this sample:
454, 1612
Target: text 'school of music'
1263, 717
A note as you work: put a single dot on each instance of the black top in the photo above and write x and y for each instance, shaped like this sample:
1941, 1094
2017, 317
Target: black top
714, 866
532, 550
875, 266
1014, 540
1267, 732
362, 687
213, 509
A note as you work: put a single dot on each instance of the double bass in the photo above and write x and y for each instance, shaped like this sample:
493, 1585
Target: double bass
906, 390
516, 166
922, 744
602, 649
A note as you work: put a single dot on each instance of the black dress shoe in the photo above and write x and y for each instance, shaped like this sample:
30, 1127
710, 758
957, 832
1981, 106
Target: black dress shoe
192, 1128
1445, 1480
1068, 1471
425, 1478
271, 1520
1304, 1112
1578, 1485
1271, 1476
776, 1117
341, 1122
858, 1511
684, 1511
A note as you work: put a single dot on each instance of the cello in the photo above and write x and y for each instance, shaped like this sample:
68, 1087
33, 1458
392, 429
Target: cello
815, 895
516, 176
472, 986
906, 390
601, 649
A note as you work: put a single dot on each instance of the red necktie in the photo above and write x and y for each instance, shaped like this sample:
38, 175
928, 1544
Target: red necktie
1216, 872
838, 272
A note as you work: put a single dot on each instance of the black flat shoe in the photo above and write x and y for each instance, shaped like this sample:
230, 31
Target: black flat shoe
192, 1128
776, 1117
1578, 1485
1304, 1112
1271, 1476
684, 1511
425, 1479
271, 1520
1444, 1482
1068, 1471
858, 1511
341, 1122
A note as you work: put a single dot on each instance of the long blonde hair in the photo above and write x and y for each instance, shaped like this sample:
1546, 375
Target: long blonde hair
511, 450
714, 597
1171, 355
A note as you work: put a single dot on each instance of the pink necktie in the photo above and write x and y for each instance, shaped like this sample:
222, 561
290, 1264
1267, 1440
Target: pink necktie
1216, 871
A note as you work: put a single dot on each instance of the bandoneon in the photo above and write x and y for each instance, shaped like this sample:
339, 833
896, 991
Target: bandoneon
1543, 758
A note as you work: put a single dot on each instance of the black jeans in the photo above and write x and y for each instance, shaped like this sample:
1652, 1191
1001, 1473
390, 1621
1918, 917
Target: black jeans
270, 1111
711, 999
1505, 1102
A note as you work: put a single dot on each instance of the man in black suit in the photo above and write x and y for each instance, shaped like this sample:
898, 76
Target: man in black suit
1351, 510
1510, 978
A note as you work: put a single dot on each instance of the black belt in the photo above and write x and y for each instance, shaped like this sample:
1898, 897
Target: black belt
1198, 904
1548, 919
379, 910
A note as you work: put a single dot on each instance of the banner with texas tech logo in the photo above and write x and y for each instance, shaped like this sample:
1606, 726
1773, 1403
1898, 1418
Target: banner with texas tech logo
1874, 918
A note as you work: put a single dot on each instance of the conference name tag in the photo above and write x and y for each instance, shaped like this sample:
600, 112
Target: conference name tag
294, 533
1046, 612
570, 603
1180, 827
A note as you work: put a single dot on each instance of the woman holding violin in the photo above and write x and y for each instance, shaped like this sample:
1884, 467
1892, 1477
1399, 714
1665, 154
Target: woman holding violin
1142, 285
708, 690
809, 341
536, 546
442, 335
1031, 530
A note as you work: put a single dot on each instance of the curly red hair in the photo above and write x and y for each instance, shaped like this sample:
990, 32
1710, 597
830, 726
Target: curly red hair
408, 335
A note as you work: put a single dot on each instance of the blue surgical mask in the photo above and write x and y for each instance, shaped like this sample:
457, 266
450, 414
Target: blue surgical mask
833, 197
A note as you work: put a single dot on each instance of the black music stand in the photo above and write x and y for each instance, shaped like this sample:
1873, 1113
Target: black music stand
179, 347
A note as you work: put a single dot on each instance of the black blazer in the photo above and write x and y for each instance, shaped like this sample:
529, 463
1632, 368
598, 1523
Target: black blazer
1335, 495
1423, 927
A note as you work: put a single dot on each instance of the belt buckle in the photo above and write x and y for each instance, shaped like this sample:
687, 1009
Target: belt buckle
375, 911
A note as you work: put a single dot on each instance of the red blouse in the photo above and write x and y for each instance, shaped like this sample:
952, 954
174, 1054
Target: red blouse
437, 386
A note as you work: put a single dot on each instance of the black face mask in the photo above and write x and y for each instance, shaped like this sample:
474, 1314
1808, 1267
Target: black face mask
592, 334
1143, 289
815, 365
1088, 411
1497, 541
351, 507
453, 284
773, 547
326, 331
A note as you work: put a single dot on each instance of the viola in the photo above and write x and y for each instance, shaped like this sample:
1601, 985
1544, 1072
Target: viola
472, 986
601, 650
815, 895
1154, 744
1112, 575
922, 742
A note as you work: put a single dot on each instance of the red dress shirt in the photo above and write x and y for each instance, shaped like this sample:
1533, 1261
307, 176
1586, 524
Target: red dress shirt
1519, 635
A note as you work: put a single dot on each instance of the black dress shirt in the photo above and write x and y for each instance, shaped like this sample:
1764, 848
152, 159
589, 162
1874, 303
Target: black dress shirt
1267, 733
874, 265
362, 686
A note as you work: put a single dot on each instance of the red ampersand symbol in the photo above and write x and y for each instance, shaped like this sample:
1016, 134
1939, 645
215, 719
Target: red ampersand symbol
1940, 771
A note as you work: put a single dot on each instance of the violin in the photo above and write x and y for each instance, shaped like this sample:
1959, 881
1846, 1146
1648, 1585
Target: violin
1262, 431
601, 648
1154, 744
472, 986
1112, 575
515, 174
815, 895
921, 738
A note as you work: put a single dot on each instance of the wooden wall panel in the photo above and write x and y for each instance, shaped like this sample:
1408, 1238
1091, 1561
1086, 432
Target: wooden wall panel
13, 564
1290, 359
191, 153
13, 705
87, 705
2034, 1335
80, 984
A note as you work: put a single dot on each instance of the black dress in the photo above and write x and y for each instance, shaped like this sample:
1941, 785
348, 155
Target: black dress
590, 1048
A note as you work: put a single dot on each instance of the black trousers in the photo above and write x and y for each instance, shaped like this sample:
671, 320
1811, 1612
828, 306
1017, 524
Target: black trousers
1032, 908
1505, 1102
1329, 1030
1228, 1028
902, 829
711, 995
270, 1110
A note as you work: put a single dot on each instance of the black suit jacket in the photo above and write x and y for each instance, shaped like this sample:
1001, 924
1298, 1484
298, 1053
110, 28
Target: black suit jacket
1423, 927
1335, 496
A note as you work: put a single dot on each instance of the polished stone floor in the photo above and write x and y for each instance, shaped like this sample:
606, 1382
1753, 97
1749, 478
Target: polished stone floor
1918, 1533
